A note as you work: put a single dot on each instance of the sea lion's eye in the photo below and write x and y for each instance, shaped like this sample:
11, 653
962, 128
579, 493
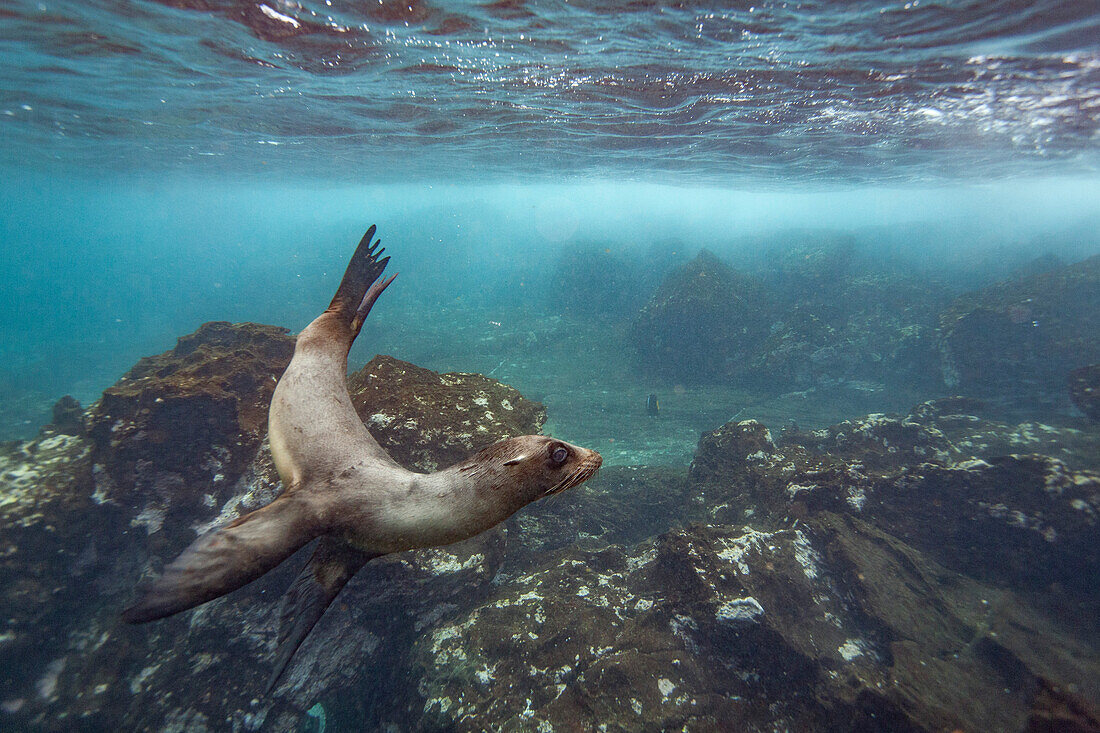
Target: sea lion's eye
559, 455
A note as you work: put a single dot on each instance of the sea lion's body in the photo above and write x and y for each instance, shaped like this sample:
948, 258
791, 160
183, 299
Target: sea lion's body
342, 486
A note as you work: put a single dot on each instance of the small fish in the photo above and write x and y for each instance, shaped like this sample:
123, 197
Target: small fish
652, 406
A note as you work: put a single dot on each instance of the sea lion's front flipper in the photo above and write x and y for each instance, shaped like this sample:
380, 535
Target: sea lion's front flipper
226, 559
331, 567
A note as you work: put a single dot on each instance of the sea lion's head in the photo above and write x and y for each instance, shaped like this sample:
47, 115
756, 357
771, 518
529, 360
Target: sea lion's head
530, 467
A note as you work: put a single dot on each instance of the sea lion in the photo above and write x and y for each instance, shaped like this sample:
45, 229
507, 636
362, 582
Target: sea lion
341, 486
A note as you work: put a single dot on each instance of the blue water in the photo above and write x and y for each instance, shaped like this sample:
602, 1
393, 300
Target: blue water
101, 270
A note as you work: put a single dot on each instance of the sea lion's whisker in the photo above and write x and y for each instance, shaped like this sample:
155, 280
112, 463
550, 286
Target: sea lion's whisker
556, 488
579, 475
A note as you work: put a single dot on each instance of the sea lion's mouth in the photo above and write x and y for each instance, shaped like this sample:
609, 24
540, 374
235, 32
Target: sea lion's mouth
584, 471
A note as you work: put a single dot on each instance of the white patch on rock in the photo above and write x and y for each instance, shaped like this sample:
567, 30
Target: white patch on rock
47, 685
138, 683
444, 704
737, 548
528, 596
256, 488
380, 419
444, 562
856, 498
806, 555
57, 441
485, 674
439, 636
151, 517
683, 627
739, 610
794, 489
851, 649
633, 563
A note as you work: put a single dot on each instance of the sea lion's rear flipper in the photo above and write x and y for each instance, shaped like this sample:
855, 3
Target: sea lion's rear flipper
226, 559
328, 570
365, 266
367, 303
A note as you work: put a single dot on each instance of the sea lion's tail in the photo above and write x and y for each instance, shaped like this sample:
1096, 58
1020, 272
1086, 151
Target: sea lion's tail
360, 286
226, 559
332, 565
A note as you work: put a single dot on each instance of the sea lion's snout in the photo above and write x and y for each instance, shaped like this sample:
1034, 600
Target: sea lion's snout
579, 465
590, 464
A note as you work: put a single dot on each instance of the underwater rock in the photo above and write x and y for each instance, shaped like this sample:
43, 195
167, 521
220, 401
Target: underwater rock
83, 512
172, 436
68, 417
766, 479
799, 351
1018, 340
846, 318
744, 476
1084, 390
56, 540
834, 626
811, 263
967, 425
1023, 520
427, 420
224, 648
882, 442
1037, 265
818, 316
131, 678
624, 505
703, 323
875, 328
1020, 520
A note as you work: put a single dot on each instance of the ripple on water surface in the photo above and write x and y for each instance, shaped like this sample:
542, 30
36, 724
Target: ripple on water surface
803, 91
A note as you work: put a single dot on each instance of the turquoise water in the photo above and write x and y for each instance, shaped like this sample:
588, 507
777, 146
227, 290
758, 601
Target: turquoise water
102, 271
549, 178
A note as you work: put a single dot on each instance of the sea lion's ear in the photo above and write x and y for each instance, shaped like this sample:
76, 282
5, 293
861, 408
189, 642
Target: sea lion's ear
514, 461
